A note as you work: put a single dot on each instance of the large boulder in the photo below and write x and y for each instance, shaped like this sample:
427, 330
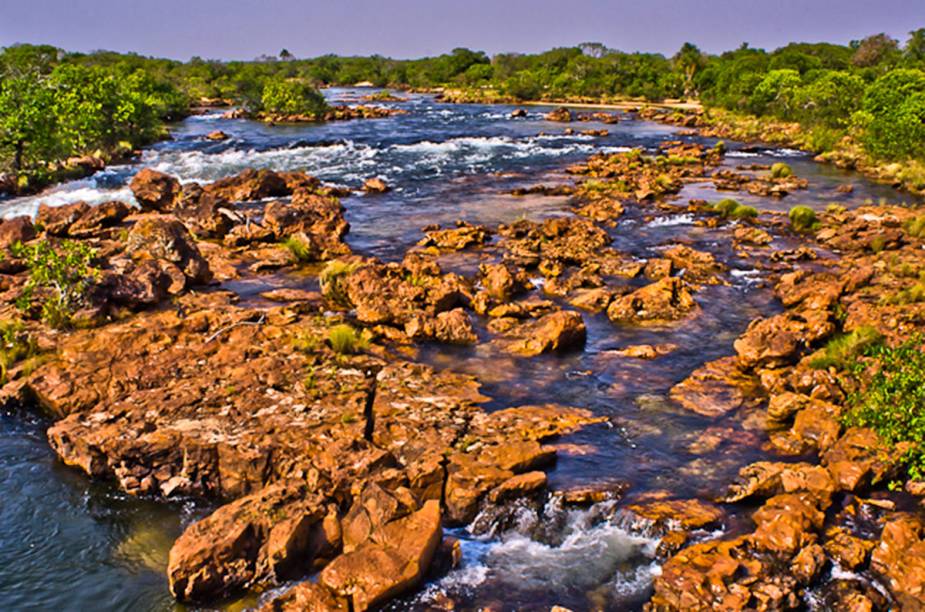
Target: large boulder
155, 191
778, 340
165, 239
98, 218
557, 331
57, 220
900, 560
393, 560
661, 302
249, 185
264, 537
17, 229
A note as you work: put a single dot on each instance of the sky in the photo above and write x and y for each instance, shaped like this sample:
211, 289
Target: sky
244, 29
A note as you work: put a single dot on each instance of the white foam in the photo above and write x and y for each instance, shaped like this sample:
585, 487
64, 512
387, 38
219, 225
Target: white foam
685, 219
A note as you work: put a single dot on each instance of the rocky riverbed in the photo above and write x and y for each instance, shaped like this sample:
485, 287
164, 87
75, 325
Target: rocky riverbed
604, 403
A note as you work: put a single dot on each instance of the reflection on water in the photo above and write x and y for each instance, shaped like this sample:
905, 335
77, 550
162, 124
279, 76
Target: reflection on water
68, 544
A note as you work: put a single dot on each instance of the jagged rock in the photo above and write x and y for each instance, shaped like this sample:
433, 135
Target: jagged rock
57, 220
900, 560
306, 597
17, 229
698, 266
688, 513
267, 536
155, 191
392, 561
249, 185
375, 185
858, 458
661, 302
456, 239
766, 479
165, 238
716, 388
777, 340
503, 283
557, 331
786, 523
99, 217
850, 552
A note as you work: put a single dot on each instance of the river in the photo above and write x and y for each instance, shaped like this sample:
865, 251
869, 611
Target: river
69, 544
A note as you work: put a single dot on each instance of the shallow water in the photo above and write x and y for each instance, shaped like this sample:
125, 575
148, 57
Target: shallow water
68, 544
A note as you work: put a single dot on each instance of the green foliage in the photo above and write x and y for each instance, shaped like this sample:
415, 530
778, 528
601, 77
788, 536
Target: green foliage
292, 97
732, 209
59, 279
802, 218
52, 109
893, 115
744, 212
726, 207
345, 340
16, 344
331, 280
300, 250
305, 341
915, 227
891, 397
781, 170
841, 351
914, 294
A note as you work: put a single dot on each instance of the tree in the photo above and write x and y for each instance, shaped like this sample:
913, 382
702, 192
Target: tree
27, 127
285, 55
874, 50
893, 115
292, 97
915, 46
689, 60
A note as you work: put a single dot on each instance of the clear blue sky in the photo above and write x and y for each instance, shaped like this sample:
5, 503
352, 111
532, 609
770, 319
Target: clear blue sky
243, 29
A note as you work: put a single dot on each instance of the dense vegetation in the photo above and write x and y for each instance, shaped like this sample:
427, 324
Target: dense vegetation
54, 105
892, 399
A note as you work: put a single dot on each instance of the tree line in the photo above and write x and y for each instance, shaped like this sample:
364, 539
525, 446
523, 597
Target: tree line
54, 104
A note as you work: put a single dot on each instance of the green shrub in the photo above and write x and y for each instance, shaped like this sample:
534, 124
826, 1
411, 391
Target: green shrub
891, 397
301, 250
331, 280
731, 209
59, 279
910, 295
292, 97
915, 227
16, 344
841, 351
726, 207
781, 170
345, 340
893, 115
802, 218
744, 212
305, 341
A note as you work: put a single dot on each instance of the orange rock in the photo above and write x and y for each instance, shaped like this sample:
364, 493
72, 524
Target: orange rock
392, 561
662, 302
716, 388
900, 560
155, 191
